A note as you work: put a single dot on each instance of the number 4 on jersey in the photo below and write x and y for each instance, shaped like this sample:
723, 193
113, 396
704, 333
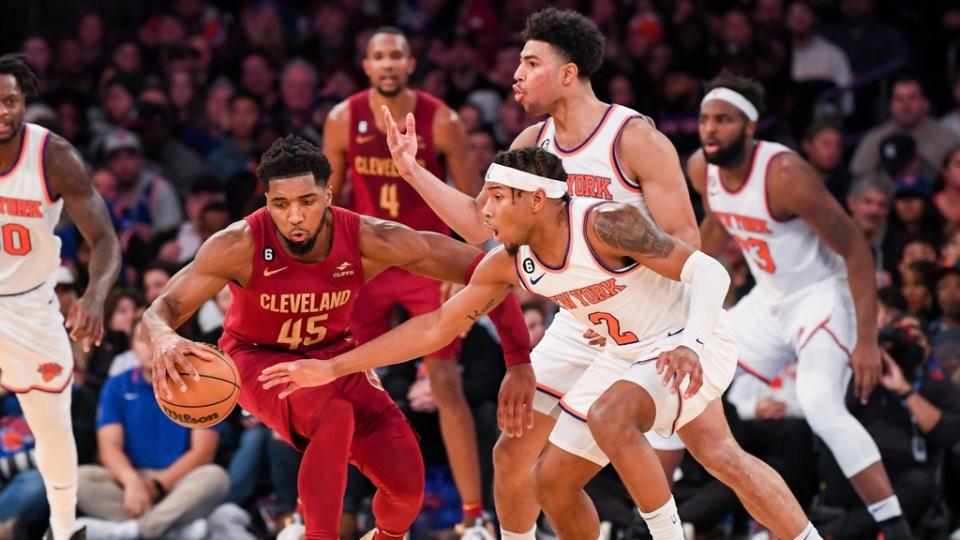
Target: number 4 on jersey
389, 200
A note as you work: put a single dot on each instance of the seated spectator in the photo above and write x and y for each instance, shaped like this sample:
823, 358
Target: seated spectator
890, 305
870, 200
237, 151
919, 284
914, 214
950, 250
175, 161
914, 415
948, 298
909, 114
536, 317
155, 476
916, 249
947, 199
113, 355
823, 146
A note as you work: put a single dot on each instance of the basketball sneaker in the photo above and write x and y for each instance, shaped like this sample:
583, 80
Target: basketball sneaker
480, 530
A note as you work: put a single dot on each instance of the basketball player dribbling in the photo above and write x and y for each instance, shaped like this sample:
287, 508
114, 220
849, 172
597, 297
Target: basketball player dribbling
355, 143
610, 153
43, 174
664, 368
815, 297
295, 268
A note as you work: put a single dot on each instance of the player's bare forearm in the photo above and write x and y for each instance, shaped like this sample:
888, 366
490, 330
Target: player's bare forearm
458, 210
446, 259
105, 258
712, 235
862, 281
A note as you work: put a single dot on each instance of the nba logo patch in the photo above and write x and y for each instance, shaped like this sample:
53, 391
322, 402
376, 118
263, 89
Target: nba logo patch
362, 126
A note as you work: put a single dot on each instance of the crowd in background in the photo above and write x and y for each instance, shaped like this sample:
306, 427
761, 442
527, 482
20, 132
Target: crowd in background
171, 114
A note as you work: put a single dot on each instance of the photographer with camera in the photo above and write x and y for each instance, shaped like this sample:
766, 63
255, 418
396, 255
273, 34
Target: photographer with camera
915, 418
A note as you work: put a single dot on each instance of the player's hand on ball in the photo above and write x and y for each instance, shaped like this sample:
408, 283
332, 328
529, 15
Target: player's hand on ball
85, 322
403, 146
677, 365
170, 359
594, 339
297, 375
867, 367
515, 407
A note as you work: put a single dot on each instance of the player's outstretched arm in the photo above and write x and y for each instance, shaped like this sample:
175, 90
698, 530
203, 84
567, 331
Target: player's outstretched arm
416, 337
796, 189
224, 257
68, 178
457, 209
619, 231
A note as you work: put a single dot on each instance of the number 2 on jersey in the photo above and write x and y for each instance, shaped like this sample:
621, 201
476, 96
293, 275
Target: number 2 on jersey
759, 251
290, 332
15, 239
389, 200
613, 328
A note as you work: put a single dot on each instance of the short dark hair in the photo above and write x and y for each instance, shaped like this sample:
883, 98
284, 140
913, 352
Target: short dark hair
749, 88
822, 124
907, 77
533, 160
291, 156
16, 64
574, 35
248, 96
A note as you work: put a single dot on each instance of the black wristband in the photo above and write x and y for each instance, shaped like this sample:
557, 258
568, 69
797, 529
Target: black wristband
907, 394
161, 491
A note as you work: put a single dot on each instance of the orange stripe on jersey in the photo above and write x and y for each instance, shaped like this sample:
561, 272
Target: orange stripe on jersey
549, 391
16, 164
43, 169
617, 171
580, 147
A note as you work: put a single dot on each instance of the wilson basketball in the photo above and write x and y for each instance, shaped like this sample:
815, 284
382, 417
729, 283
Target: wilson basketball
208, 401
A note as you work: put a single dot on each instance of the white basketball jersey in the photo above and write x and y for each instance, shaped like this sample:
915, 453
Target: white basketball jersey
636, 307
592, 168
29, 251
784, 256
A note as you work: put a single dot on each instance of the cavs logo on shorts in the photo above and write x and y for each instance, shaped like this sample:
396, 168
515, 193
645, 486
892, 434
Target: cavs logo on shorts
50, 371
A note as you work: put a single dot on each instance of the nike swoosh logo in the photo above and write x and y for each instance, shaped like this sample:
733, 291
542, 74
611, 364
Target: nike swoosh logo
534, 281
364, 139
671, 334
267, 272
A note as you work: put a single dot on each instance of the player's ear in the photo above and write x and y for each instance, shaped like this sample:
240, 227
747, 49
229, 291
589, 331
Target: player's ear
569, 73
328, 194
537, 200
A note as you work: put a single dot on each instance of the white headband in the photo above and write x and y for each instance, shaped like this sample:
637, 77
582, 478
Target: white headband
734, 98
525, 181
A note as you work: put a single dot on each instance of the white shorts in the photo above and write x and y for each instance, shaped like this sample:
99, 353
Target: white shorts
35, 351
559, 360
719, 362
771, 333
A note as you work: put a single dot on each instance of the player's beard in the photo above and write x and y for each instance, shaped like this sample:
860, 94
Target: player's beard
390, 93
13, 133
303, 247
730, 156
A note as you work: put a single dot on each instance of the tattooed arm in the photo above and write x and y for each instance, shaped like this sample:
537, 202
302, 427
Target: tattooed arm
620, 233
418, 336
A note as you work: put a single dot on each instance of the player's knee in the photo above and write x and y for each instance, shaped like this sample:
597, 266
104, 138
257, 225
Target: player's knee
512, 457
611, 416
548, 484
724, 460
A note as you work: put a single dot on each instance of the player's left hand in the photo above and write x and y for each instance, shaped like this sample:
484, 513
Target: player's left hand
867, 366
677, 365
515, 407
85, 321
297, 375
403, 146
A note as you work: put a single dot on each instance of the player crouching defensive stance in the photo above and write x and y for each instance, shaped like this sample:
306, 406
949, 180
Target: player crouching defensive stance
668, 359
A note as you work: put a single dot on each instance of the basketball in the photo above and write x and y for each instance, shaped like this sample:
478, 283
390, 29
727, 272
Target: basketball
208, 401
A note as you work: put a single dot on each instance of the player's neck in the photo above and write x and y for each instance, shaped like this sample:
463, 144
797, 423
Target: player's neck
10, 150
550, 238
577, 116
733, 175
398, 105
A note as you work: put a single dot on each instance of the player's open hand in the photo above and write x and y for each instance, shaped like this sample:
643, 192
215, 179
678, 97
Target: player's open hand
515, 407
170, 360
85, 322
677, 365
403, 146
297, 375
867, 367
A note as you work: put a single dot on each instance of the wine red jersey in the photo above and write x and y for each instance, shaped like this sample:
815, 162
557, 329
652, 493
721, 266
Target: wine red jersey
378, 189
292, 304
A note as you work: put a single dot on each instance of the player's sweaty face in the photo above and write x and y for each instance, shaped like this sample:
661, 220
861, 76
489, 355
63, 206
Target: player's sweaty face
297, 205
388, 63
12, 107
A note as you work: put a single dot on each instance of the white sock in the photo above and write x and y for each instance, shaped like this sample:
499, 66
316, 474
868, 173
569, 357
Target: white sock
885, 509
510, 535
664, 522
809, 533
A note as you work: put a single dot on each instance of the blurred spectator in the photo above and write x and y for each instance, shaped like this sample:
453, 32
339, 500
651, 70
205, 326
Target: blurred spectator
237, 150
858, 35
143, 197
919, 286
947, 200
258, 77
206, 135
155, 277
174, 160
909, 114
192, 232
298, 84
914, 213
65, 289
127, 57
484, 148
39, 56
184, 102
536, 318
870, 200
890, 305
815, 58
113, 355
916, 249
156, 476
899, 159
117, 109
950, 252
951, 120
823, 146
948, 298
